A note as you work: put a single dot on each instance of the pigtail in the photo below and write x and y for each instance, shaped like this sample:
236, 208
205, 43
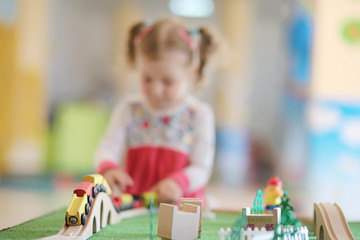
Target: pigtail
133, 32
207, 46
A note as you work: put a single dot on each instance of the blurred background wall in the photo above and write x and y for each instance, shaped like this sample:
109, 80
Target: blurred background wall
24, 48
285, 92
333, 114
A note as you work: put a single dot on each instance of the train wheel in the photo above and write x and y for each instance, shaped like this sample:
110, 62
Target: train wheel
90, 199
87, 208
103, 188
83, 218
66, 221
95, 190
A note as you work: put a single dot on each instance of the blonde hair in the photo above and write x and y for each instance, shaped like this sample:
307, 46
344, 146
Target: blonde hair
164, 36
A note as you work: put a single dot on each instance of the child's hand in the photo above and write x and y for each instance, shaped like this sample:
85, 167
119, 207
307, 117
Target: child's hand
118, 179
168, 190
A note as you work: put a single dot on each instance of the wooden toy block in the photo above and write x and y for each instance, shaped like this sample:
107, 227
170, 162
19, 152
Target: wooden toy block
330, 222
197, 202
268, 221
178, 224
166, 217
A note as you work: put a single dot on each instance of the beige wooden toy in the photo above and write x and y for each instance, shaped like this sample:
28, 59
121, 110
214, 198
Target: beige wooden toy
268, 221
330, 222
197, 202
177, 223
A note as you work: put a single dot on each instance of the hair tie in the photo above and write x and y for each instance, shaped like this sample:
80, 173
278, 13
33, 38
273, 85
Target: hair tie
186, 37
193, 31
145, 31
148, 22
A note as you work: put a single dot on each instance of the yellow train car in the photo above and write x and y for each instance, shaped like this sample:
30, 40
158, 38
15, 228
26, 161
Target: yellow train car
123, 201
77, 210
127, 198
147, 196
100, 183
81, 200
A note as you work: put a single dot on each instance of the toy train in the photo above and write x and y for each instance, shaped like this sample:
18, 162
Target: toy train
127, 201
86, 191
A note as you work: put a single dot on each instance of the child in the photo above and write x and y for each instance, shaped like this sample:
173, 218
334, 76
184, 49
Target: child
165, 135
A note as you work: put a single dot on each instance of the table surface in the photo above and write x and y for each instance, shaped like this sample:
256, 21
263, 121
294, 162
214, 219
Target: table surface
133, 228
19, 205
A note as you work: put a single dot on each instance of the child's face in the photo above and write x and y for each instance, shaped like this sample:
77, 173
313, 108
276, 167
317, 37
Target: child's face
165, 81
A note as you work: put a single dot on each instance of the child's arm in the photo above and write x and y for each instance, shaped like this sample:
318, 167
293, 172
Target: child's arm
198, 173
118, 179
111, 148
168, 190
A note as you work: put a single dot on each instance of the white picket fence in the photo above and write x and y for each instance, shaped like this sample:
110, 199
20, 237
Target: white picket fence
248, 234
301, 233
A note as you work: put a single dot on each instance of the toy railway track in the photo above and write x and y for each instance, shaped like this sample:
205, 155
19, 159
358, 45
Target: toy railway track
330, 223
93, 206
102, 212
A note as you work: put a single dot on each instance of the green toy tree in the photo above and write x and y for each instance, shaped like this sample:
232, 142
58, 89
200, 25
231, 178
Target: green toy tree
151, 218
239, 224
258, 209
287, 215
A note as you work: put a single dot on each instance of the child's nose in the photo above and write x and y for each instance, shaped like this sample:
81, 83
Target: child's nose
156, 88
